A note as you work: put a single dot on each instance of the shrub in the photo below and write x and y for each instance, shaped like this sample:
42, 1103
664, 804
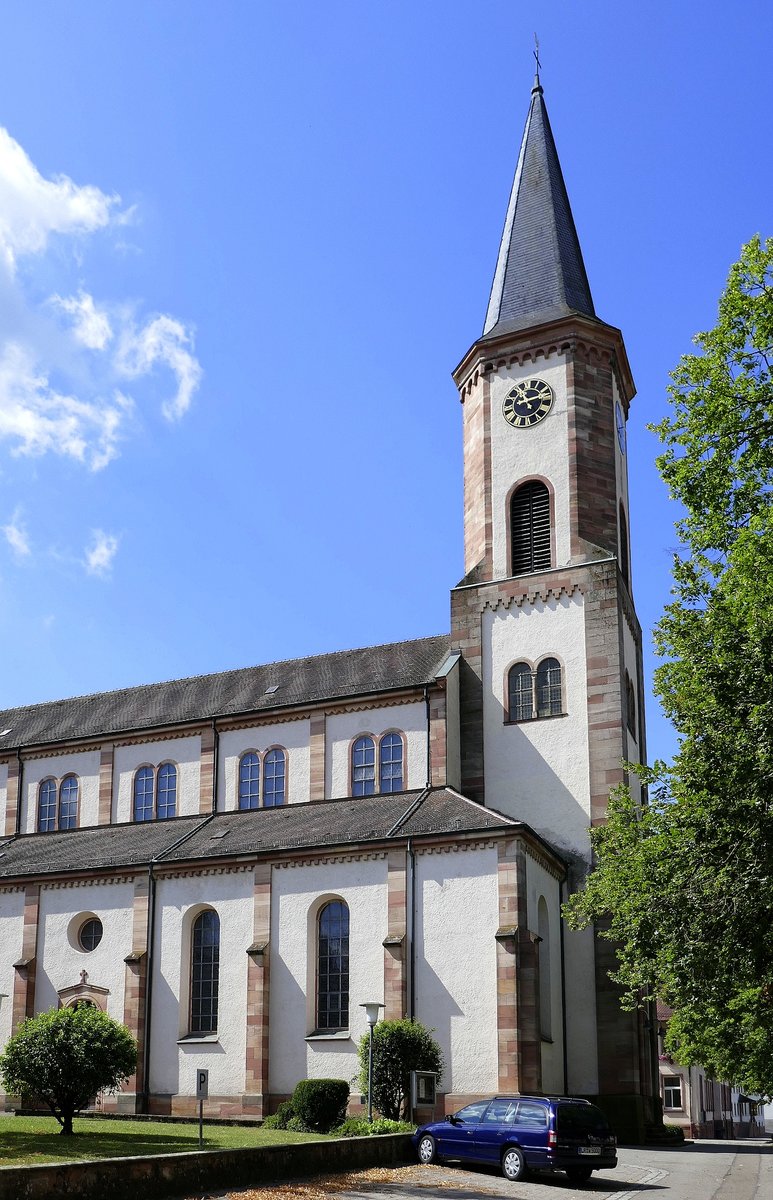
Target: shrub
65, 1056
361, 1127
321, 1103
280, 1119
399, 1047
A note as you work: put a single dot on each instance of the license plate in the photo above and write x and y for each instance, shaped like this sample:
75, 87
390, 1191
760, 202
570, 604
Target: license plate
589, 1149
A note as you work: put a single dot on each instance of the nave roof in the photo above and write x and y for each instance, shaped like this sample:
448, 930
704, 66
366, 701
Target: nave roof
278, 685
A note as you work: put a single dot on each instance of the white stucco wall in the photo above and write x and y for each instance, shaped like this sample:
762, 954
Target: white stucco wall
517, 454
581, 1040
537, 771
541, 884
292, 736
298, 893
85, 765
456, 983
343, 728
11, 932
173, 1063
61, 960
3, 793
184, 752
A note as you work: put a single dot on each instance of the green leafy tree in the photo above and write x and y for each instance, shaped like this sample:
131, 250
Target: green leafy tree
685, 885
399, 1047
65, 1056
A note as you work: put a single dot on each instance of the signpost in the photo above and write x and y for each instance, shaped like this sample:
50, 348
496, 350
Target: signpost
202, 1093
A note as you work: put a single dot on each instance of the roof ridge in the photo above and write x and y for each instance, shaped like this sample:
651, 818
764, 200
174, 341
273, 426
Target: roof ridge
22, 708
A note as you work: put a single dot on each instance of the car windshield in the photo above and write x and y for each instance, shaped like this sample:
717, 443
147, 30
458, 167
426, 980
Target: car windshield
581, 1118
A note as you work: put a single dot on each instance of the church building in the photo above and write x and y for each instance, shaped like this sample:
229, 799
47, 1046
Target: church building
233, 864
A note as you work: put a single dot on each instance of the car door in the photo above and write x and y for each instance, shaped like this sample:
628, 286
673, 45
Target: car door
495, 1130
456, 1139
530, 1130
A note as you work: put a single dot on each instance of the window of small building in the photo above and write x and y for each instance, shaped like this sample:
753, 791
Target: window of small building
205, 972
672, 1091
530, 528
333, 966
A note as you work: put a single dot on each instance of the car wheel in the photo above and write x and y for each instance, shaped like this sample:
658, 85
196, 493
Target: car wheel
579, 1174
427, 1150
513, 1165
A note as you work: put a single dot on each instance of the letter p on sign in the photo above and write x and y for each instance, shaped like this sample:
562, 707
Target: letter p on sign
202, 1085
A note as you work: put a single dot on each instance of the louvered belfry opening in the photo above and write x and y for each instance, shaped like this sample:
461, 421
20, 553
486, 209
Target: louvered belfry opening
530, 528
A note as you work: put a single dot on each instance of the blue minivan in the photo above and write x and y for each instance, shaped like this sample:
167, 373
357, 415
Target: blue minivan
524, 1133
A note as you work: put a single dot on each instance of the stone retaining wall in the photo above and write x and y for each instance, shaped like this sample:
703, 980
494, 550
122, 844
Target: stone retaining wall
166, 1175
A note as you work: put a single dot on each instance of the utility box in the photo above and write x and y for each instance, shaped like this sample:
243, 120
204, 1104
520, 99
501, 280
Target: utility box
423, 1089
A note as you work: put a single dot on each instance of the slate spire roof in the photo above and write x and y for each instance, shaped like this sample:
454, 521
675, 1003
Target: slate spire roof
540, 274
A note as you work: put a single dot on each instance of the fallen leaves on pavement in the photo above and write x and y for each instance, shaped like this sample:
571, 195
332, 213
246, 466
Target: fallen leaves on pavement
353, 1181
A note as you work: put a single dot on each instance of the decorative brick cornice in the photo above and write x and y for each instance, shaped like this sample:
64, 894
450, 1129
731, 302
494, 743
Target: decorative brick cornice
541, 591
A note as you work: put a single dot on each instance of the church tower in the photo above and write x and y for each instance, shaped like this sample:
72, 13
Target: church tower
551, 684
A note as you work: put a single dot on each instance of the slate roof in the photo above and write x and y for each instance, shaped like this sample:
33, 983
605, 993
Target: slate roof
371, 669
540, 274
262, 831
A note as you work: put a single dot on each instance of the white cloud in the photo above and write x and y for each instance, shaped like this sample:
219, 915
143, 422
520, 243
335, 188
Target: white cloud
100, 554
32, 208
64, 363
90, 324
16, 536
40, 419
163, 340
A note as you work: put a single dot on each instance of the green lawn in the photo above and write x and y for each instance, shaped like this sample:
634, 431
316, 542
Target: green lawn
28, 1140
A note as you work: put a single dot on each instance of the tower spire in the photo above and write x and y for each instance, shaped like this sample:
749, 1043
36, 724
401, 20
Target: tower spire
540, 274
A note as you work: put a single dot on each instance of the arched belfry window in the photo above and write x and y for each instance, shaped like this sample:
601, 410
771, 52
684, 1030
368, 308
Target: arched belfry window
530, 528
549, 688
333, 966
205, 972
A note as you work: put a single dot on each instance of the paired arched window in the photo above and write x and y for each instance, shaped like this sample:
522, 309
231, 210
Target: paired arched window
534, 693
390, 764
205, 972
333, 966
58, 804
530, 528
273, 769
155, 792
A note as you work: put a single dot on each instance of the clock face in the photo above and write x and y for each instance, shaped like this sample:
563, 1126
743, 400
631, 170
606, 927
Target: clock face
620, 423
528, 403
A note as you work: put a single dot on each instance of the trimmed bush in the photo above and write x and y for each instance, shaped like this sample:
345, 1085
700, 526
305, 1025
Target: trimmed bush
281, 1118
399, 1047
320, 1103
360, 1127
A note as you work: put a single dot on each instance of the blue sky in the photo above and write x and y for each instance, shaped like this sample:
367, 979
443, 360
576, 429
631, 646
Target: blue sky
242, 246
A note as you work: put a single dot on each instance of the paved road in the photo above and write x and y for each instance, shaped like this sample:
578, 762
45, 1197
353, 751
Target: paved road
710, 1170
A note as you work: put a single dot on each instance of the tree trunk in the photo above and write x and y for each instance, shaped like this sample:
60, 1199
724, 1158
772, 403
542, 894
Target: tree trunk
66, 1130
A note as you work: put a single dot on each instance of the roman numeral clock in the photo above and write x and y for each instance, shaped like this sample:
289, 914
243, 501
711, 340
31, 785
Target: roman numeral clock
528, 403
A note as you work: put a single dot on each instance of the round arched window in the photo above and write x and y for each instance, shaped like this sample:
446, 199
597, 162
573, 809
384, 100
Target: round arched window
90, 934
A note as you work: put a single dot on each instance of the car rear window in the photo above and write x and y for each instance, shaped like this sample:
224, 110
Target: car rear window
580, 1118
531, 1114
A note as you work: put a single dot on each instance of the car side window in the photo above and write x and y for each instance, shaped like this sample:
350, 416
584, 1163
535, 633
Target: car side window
531, 1114
472, 1113
500, 1112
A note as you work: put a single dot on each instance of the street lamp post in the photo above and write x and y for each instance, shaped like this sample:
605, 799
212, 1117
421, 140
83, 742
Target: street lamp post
371, 1012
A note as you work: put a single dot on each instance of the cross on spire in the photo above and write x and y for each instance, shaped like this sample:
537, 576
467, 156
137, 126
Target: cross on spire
536, 54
